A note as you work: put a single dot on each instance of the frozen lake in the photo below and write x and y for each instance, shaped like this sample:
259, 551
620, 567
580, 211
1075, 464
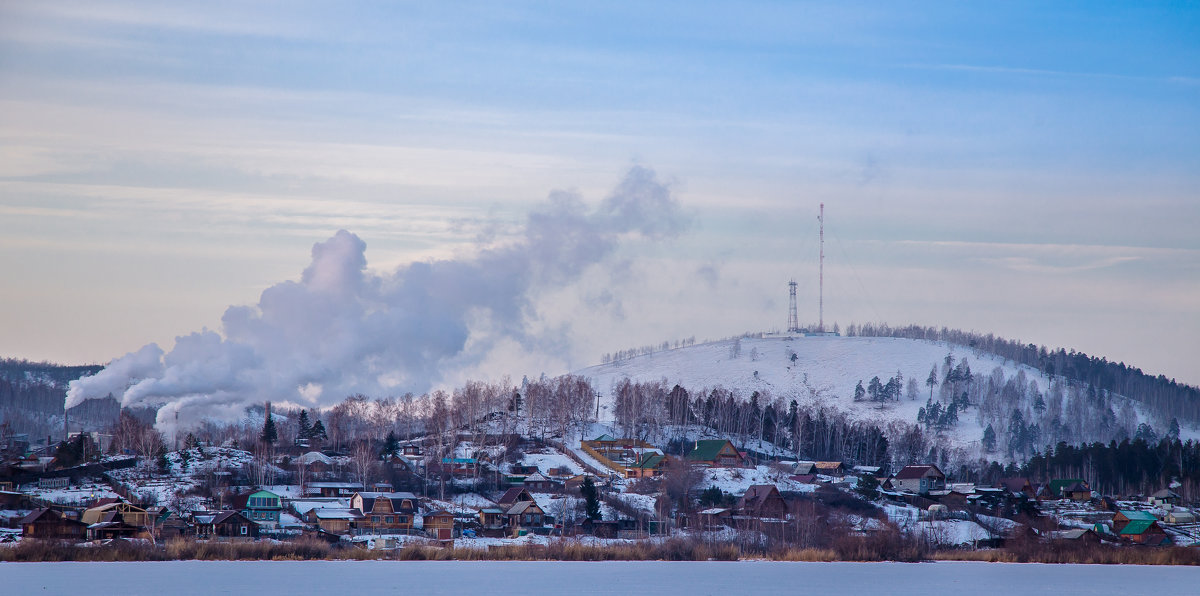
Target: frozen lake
639, 577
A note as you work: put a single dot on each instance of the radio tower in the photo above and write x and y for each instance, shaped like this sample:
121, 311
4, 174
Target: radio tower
821, 277
793, 320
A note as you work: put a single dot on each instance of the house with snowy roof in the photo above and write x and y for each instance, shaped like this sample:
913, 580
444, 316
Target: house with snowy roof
385, 513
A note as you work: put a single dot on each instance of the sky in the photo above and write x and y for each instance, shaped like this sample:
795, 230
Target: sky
1022, 169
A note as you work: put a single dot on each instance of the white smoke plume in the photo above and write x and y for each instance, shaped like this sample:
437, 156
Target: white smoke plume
343, 329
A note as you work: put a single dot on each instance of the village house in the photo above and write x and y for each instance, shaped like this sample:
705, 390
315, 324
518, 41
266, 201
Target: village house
50, 524
830, 468
515, 494
1140, 527
650, 465
332, 489
263, 507
1179, 515
491, 520
919, 479
439, 524
316, 463
1018, 486
524, 515
538, 483
224, 525
1075, 489
762, 500
385, 513
716, 453
335, 520
1165, 498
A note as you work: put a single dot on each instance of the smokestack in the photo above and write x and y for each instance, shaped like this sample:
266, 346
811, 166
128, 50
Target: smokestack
66, 424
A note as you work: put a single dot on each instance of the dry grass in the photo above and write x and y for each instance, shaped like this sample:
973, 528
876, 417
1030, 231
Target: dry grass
877, 547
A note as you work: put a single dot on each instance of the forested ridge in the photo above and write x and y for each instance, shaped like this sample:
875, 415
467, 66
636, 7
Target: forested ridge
1166, 398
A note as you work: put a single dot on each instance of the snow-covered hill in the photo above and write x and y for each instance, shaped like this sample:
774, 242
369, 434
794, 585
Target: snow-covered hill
824, 371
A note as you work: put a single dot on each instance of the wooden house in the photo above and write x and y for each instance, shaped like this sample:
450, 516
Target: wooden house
715, 517
1146, 532
716, 453
229, 524
385, 513
919, 479
1075, 489
762, 500
1179, 515
1164, 498
803, 468
439, 524
335, 520
538, 483
1124, 516
1018, 486
524, 515
830, 468
332, 489
650, 465
49, 524
515, 494
491, 520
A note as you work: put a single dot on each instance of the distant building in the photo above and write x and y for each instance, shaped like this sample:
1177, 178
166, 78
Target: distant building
919, 479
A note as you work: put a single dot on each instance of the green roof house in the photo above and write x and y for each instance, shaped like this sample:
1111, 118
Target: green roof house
716, 453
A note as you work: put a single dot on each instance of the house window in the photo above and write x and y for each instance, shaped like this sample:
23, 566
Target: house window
244, 529
401, 519
387, 520
374, 519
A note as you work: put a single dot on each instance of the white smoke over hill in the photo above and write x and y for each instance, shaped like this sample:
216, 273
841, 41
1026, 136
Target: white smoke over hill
343, 329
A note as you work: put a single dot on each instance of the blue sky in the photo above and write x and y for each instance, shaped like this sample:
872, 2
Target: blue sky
1024, 169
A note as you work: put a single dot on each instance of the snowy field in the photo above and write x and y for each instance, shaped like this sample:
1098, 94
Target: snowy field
619, 578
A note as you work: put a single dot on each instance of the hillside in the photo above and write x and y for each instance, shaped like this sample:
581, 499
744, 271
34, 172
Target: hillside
825, 371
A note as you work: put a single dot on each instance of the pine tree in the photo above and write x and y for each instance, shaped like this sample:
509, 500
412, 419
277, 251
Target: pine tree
932, 380
391, 444
868, 487
318, 431
592, 498
989, 439
269, 434
859, 392
305, 427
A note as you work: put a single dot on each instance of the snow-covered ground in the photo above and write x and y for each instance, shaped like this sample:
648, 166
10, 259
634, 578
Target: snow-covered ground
548, 459
824, 372
79, 493
735, 481
618, 578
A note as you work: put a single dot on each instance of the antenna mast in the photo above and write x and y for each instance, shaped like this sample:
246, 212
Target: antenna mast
793, 320
821, 275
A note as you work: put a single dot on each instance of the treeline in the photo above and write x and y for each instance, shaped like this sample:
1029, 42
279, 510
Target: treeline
1166, 398
1130, 467
32, 395
619, 355
650, 411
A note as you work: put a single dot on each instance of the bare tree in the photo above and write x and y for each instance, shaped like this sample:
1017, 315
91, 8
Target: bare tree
363, 460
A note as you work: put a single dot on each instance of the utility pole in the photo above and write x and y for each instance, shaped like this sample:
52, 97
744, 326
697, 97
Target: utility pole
821, 275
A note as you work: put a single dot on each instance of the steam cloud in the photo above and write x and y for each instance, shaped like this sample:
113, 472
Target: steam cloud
342, 329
